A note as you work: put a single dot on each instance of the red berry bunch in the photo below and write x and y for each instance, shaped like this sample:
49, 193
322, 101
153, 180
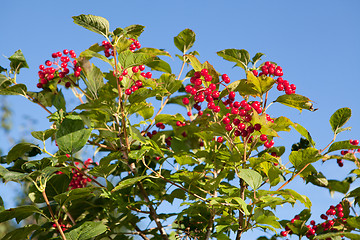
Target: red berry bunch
355, 142
78, 180
108, 49
63, 227
135, 45
237, 122
333, 221
59, 67
136, 84
270, 69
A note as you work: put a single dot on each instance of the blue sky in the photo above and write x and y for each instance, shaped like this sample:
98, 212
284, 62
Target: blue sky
315, 42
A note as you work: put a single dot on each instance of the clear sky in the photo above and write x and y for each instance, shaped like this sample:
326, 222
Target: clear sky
317, 43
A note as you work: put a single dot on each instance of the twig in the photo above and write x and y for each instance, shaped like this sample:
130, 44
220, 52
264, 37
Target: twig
69, 215
53, 216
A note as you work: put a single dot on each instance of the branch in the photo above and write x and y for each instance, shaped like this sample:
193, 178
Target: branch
53, 216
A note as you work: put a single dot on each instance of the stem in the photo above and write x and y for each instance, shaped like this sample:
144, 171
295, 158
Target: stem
38, 103
69, 215
164, 103
241, 214
301, 170
140, 232
53, 216
266, 97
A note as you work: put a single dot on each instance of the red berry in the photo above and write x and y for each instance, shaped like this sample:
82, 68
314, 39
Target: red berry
225, 78
232, 95
284, 233
208, 78
138, 83
216, 109
226, 120
67, 84
48, 63
263, 137
255, 72
128, 91
228, 127
220, 139
77, 74
280, 87
204, 72
185, 101
148, 75
134, 88
212, 86
142, 67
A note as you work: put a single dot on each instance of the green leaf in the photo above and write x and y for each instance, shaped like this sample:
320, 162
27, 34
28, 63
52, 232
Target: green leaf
17, 61
135, 134
318, 179
43, 135
339, 118
90, 54
243, 87
59, 101
338, 186
94, 80
18, 89
159, 65
20, 150
239, 56
303, 132
4, 79
133, 31
251, 177
257, 58
129, 59
295, 101
153, 52
184, 40
262, 83
303, 157
21, 233
195, 63
19, 213
86, 231
169, 82
11, 176
74, 194
128, 182
45, 97
354, 222
351, 236
93, 23
341, 145
72, 135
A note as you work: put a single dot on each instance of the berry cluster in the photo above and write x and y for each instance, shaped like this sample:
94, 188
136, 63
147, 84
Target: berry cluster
355, 142
159, 125
237, 122
108, 48
63, 227
78, 179
135, 45
59, 67
270, 69
136, 84
334, 221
